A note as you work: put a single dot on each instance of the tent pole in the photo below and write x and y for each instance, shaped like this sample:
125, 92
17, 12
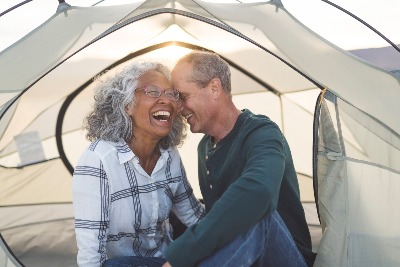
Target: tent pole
14, 7
62, 5
282, 115
365, 23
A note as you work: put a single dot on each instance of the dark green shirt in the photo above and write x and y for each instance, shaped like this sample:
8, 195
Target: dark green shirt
244, 177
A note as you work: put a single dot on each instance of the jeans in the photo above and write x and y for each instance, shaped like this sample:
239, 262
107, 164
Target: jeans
267, 244
135, 261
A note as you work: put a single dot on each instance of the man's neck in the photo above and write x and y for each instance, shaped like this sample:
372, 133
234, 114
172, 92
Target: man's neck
225, 122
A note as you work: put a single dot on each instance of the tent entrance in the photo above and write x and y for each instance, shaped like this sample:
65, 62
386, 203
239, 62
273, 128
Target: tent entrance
355, 178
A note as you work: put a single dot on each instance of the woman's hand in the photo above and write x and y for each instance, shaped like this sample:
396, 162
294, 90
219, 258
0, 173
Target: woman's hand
166, 264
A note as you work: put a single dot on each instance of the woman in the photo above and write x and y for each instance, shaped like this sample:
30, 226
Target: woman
131, 175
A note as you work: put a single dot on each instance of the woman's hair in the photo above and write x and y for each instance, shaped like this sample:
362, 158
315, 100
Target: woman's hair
108, 119
206, 66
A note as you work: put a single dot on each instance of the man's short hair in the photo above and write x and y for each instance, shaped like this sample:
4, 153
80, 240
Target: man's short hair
207, 66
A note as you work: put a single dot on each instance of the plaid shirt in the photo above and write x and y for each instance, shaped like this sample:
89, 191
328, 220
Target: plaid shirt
120, 210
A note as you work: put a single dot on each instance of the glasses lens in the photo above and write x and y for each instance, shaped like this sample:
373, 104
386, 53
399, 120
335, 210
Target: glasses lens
153, 91
172, 94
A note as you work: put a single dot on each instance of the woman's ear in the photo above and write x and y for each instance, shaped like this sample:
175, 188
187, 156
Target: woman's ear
129, 109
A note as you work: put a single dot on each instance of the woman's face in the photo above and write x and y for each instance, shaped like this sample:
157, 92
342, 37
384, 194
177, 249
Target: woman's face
152, 117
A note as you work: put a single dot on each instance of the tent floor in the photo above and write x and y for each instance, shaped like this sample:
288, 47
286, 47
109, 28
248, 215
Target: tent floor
51, 242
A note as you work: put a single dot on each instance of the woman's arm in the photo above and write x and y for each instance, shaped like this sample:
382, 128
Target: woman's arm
185, 205
91, 206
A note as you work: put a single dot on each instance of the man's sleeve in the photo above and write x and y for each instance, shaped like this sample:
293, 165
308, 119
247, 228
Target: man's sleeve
253, 195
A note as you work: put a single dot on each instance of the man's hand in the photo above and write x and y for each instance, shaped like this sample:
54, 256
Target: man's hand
167, 264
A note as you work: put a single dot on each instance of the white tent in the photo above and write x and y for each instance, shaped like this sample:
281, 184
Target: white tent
346, 142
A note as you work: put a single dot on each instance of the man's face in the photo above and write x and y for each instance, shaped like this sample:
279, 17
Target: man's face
196, 102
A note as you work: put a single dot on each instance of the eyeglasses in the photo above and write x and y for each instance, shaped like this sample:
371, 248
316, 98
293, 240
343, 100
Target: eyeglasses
155, 92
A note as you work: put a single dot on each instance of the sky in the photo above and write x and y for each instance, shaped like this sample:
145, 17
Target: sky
324, 19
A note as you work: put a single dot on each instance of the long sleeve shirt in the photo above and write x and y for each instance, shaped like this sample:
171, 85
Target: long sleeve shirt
244, 177
120, 210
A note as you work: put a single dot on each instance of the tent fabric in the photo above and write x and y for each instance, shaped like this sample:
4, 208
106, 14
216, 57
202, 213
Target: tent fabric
40, 235
278, 68
21, 67
331, 181
357, 206
6, 259
35, 184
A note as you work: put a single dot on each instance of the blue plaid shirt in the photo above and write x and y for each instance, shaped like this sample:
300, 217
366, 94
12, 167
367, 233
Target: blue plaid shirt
120, 210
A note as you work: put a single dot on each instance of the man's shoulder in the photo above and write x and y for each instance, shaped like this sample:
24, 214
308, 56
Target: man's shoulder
206, 138
259, 123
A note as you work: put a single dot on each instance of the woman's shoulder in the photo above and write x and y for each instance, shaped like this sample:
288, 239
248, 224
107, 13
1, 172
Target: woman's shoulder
103, 148
101, 145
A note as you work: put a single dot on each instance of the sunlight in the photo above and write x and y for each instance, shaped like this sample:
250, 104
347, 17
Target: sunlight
168, 55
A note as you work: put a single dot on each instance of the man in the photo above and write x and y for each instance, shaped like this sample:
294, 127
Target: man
246, 175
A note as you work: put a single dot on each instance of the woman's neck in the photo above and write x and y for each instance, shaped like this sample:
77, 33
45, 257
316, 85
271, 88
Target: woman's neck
147, 152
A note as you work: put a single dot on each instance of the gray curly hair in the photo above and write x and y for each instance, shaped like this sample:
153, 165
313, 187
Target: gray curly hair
207, 66
108, 119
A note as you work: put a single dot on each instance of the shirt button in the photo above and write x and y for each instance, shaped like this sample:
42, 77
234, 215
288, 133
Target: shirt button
206, 156
208, 172
211, 186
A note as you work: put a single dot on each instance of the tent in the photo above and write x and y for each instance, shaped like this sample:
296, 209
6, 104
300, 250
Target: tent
338, 112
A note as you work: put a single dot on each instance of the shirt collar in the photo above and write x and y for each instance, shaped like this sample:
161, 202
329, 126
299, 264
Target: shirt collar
125, 153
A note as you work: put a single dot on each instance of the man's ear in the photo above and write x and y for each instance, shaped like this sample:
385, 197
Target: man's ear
216, 86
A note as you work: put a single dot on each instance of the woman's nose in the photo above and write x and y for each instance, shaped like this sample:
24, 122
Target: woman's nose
163, 98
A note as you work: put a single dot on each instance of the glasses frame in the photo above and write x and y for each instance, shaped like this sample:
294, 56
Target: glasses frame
161, 91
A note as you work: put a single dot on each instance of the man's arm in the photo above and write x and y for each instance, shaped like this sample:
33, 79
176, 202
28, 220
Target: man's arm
253, 195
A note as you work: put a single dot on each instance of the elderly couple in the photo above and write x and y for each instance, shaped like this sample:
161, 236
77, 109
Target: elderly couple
131, 176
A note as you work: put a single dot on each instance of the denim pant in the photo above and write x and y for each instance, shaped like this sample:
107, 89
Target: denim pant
134, 261
267, 244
